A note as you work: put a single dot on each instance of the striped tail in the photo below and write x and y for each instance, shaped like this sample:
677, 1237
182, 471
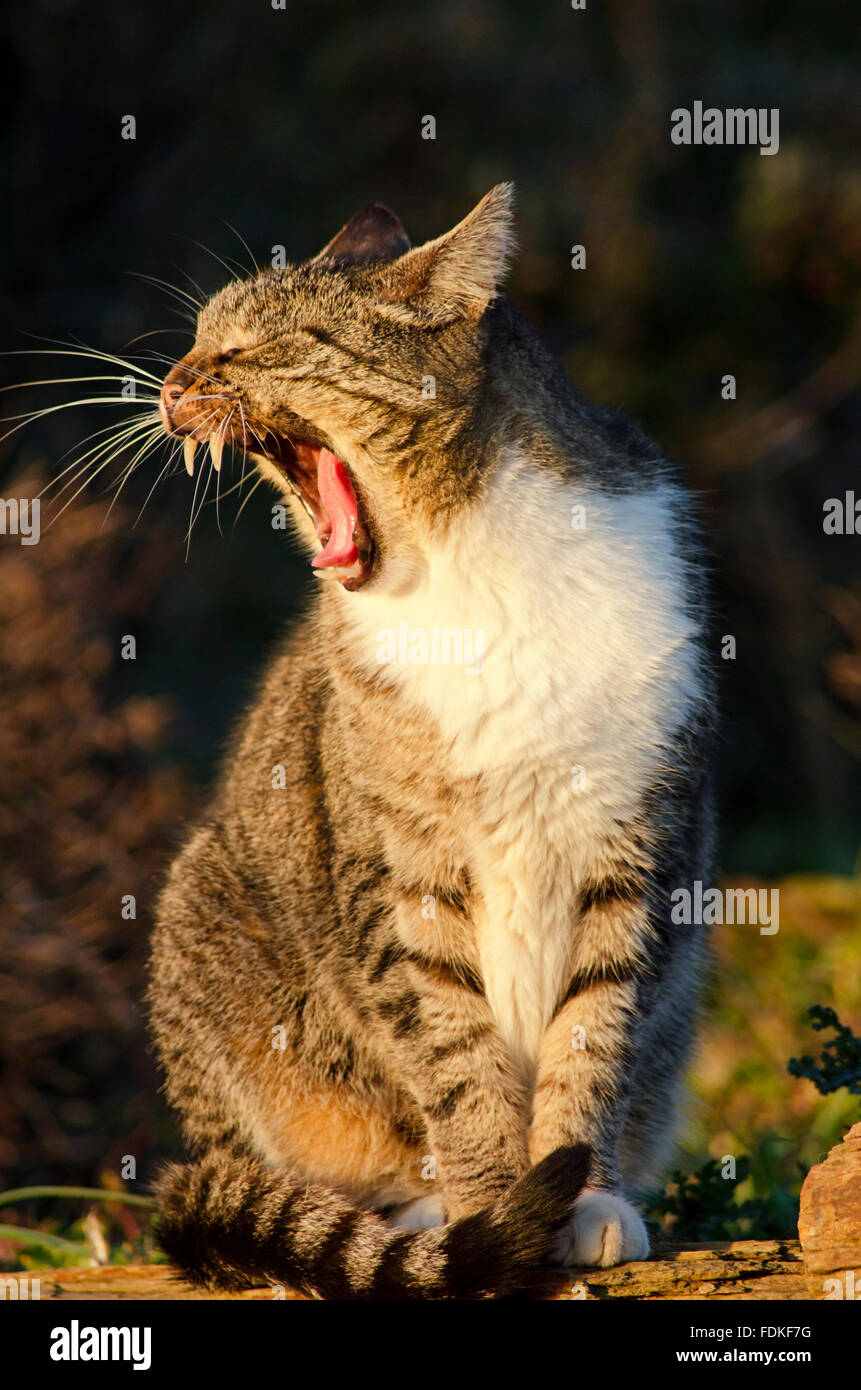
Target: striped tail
231, 1223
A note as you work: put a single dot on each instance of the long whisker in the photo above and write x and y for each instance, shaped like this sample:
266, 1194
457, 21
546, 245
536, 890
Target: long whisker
176, 450
248, 498
234, 487
252, 430
91, 463
191, 280
241, 238
64, 405
229, 268
224, 427
172, 458
245, 431
194, 514
63, 350
174, 290
93, 473
138, 437
244, 425
118, 440
146, 419
218, 498
66, 381
153, 333
145, 449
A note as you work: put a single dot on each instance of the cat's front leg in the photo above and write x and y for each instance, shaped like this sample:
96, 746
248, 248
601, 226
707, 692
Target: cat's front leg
587, 1065
444, 1049
582, 1093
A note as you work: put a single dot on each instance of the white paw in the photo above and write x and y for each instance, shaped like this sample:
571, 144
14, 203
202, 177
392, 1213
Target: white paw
603, 1230
420, 1215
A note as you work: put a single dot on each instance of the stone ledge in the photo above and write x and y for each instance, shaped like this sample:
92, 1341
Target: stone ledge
739, 1270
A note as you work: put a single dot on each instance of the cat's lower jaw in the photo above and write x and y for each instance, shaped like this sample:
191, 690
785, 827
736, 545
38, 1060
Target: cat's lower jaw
603, 1230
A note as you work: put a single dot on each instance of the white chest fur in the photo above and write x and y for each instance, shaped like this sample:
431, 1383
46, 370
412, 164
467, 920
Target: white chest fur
586, 669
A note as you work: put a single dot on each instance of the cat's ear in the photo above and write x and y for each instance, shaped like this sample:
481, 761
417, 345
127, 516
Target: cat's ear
456, 275
374, 234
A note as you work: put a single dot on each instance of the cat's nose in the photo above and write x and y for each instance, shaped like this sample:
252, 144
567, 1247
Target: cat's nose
175, 384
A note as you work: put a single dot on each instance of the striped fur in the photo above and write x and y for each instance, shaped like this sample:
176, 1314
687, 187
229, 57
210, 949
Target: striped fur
229, 1220
409, 968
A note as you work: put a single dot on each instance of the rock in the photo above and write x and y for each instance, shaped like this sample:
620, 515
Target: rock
829, 1224
741, 1270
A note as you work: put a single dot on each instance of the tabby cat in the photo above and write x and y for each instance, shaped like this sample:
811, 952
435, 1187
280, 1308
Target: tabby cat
414, 982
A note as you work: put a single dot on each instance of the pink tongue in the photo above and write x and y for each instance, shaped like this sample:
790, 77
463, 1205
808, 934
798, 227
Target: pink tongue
339, 500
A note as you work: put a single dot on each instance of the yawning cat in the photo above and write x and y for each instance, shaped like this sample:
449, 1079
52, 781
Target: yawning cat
416, 969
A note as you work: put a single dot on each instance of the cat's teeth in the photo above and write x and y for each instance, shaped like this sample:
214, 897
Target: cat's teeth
188, 449
297, 494
339, 571
216, 446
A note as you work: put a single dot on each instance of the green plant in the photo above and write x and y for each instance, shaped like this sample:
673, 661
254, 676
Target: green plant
700, 1206
708, 1205
77, 1242
762, 1201
840, 1062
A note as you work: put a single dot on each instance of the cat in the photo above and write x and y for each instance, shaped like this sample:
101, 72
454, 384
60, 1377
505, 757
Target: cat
414, 982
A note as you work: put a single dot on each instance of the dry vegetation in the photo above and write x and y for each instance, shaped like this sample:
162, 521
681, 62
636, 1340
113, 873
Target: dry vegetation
87, 813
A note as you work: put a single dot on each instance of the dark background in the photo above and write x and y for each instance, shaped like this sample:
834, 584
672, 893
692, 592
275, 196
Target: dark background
701, 262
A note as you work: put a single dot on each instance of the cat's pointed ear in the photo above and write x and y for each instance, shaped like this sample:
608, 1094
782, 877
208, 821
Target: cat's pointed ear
457, 275
374, 234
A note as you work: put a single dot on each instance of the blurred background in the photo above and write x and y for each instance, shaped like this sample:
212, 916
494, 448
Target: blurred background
701, 262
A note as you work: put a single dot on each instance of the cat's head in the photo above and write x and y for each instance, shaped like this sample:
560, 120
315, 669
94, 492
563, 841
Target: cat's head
352, 381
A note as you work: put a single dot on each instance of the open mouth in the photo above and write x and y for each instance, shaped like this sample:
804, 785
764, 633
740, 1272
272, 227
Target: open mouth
322, 483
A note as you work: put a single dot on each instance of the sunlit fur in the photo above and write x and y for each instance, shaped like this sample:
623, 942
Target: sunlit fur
417, 960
